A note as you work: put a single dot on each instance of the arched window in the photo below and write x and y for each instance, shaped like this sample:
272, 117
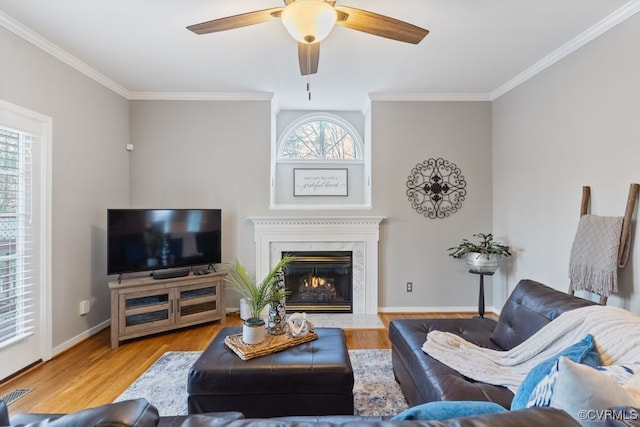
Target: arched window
312, 147
320, 137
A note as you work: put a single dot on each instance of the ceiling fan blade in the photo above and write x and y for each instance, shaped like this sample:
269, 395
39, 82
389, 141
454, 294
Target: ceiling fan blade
380, 25
308, 56
236, 21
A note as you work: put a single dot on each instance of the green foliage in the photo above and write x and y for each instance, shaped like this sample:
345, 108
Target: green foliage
10, 167
257, 295
485, 246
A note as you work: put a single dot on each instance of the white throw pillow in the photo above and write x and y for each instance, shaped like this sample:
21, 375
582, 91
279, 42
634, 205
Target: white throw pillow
632, 386
586, 394
543, 391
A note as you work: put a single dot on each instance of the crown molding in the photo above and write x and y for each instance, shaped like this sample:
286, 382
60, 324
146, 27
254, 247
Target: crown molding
202, 96
37, 40
615, 18
402, 96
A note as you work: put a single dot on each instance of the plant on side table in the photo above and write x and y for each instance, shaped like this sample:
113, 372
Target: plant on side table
256, 296
482, 256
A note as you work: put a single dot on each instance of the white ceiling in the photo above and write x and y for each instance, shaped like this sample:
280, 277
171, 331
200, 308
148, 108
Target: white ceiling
476, 49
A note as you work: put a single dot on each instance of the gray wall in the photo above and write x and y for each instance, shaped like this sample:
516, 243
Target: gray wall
574, 124
205, 154
90, 174
216, 154
413, 248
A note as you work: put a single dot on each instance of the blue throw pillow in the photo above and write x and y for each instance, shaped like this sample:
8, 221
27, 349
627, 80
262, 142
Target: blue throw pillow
443, 410
583, 352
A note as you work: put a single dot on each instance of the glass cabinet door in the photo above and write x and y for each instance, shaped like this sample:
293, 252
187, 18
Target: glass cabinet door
145, 309
196, 302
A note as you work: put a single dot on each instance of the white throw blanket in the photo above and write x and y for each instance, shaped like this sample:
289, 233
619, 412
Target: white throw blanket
616, 333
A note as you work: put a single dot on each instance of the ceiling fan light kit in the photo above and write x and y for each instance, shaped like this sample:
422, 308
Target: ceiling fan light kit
309, 21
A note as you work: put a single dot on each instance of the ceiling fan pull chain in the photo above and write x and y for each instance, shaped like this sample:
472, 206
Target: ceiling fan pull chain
308, 88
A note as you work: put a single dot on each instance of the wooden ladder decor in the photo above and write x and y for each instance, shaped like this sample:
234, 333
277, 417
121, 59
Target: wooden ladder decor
625, 236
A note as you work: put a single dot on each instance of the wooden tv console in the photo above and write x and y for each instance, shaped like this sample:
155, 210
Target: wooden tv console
143, 306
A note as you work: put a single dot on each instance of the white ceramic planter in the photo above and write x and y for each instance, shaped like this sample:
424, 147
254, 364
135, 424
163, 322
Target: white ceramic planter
245, 313
254, 333
482, 263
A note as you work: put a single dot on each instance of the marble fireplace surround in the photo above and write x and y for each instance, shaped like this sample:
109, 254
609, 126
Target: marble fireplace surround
358, 234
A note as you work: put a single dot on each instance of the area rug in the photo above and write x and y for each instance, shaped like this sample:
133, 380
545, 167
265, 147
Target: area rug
375, 391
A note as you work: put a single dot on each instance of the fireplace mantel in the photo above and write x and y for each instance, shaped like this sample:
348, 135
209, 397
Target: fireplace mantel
359, 234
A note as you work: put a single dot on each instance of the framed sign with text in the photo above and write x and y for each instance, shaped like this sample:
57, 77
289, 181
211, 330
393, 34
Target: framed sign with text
320, 182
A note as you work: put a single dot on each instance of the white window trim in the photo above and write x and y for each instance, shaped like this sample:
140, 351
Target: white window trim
16, 117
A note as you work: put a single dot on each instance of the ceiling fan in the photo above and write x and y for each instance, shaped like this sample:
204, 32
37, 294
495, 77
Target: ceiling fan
310, 21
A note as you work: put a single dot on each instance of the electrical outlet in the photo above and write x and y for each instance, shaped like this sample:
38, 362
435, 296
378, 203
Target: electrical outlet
409, 286
84, 307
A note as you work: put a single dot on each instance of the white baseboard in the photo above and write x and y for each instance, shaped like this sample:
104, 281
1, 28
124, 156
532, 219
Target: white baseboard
81, 337
469, 309
416, 310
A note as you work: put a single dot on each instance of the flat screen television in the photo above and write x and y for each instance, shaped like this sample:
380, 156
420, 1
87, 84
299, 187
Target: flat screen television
159, 239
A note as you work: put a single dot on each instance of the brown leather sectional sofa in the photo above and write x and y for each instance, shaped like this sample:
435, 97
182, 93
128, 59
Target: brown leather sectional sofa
139, 413
530, 306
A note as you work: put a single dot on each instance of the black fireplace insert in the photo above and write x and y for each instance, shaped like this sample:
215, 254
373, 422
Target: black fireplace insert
320, 281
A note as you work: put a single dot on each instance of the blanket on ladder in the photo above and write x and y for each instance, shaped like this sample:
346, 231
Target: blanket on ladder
593, 264
616, 333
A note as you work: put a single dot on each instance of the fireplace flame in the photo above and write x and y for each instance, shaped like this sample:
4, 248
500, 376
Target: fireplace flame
315, 281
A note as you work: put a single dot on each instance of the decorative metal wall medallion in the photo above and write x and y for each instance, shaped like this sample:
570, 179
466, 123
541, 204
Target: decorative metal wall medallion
436, 188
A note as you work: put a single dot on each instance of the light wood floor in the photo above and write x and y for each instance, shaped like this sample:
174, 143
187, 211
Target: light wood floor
92, 373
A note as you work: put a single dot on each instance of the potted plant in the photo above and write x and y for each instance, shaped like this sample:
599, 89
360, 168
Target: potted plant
482, 256
256, 297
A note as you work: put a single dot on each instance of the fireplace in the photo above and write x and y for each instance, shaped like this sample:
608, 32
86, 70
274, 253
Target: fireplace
320, 281
357, 234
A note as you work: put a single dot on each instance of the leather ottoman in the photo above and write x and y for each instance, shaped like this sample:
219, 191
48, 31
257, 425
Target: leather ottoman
313, 378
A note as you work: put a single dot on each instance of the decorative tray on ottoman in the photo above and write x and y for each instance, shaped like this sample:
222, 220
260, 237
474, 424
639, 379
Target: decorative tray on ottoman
271, 344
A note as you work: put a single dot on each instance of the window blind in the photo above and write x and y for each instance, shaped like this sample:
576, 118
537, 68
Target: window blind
17, 254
